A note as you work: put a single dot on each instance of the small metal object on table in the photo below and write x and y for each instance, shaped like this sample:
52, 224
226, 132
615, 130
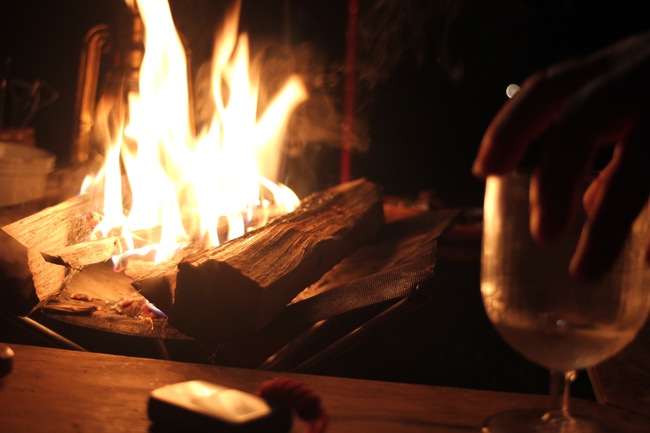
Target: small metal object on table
6, 359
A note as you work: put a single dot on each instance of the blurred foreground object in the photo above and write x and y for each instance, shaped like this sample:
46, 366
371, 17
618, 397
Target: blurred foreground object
6, 359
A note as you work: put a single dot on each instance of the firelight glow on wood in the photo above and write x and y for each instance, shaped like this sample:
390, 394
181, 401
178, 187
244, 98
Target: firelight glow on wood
196, 186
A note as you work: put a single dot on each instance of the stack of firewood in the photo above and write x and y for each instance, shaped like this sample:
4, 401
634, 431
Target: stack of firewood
215, 294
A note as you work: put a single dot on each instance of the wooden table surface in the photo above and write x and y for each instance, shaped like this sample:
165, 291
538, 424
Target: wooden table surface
53, 390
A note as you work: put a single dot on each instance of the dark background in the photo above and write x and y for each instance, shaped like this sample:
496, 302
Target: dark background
431, 73
431, 76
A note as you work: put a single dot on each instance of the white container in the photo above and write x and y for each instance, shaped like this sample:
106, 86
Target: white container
23, 173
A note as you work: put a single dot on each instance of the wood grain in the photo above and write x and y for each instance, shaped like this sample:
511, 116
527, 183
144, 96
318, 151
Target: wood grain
235, 289
81, 254
24, 240
57, 391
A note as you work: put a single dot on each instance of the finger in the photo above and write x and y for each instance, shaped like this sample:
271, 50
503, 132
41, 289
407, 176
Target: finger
526, 116
556, 183
589, 197
606, 108
542, 97
618, 201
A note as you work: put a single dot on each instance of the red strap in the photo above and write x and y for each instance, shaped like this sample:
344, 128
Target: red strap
296, 395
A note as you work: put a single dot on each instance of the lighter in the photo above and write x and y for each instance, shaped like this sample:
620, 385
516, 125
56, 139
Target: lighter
201, 406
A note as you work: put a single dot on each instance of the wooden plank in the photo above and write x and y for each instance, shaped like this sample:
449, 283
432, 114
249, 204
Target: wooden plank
62, 391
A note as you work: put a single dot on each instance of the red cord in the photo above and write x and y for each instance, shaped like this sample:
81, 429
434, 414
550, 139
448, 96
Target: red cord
296, 395
349, 90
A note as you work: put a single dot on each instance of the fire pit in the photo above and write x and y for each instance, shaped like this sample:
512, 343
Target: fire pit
386, 277
162, 246
206, 245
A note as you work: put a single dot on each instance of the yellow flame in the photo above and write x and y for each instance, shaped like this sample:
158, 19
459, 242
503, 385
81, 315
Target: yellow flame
188, 184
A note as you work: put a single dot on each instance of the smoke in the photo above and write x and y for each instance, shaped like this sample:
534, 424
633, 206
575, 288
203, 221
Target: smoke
318, 120
309, 40
314, 124
314, 128
388, 32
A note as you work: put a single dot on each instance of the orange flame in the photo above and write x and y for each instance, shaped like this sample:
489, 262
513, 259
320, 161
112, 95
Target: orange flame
192, 186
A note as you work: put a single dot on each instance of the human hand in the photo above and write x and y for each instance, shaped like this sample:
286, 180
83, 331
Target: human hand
570, 110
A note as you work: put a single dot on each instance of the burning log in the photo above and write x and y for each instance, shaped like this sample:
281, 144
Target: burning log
236, 288
87, 253
28, 280
84, 253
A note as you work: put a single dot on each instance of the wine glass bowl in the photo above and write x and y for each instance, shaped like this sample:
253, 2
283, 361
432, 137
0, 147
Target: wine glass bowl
552, 319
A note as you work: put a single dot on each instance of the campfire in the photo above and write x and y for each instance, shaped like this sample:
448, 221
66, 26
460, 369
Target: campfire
185, 214
195, 188
190, 224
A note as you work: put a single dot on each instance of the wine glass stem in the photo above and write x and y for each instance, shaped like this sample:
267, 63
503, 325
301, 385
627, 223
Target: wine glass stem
559, 393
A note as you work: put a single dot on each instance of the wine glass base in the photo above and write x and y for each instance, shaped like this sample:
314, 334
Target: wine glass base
532, 421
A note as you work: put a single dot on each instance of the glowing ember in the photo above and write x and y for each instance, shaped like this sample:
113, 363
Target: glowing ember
201, 187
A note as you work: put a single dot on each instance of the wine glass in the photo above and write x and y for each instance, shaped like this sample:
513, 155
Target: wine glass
552, 319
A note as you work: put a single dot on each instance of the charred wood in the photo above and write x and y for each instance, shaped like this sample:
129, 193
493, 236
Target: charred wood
236, 288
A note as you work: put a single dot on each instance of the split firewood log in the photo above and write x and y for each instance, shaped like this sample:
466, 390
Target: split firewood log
82, 254
27, 279
236, 288
79, 255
